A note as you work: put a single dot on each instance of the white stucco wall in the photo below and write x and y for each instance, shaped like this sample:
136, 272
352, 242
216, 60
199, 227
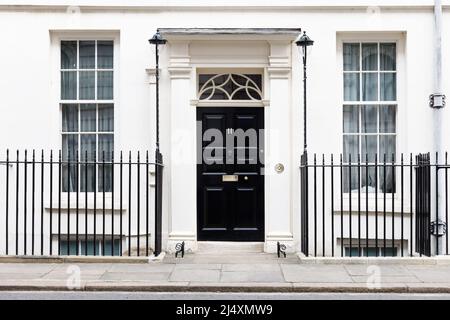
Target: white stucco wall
30, 115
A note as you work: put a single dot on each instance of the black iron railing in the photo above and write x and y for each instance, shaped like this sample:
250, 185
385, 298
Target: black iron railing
364, 206
57, 204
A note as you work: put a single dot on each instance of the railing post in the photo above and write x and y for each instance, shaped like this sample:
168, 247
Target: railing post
7, 204
423, 204
158, 201
304, 203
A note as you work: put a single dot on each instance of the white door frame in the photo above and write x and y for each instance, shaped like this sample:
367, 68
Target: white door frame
186, 56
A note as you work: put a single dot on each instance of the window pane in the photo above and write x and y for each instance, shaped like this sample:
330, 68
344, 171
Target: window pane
218, 80
387, 147
388, 252
88, 118
104, 85
109, 248
351, 119
69, 118
69, 146
106, 171
87, 54
351, 146
368, 179
87, 170
87, 85
351, 56
68, 85
66, 249
105, 117
386, 184
69, 184
350, 180
90, 247
68, 54
369, 147
240, 94
370, 56
369, 119
388, 87
372, 252
257, 83
106, 145
387, 119
351, 86
88, 145
388, 56
370, 86
353, 252
105, 54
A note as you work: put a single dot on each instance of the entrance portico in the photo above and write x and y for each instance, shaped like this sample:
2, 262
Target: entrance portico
192, 52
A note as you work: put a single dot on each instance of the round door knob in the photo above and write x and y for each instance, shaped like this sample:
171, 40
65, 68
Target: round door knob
279, 167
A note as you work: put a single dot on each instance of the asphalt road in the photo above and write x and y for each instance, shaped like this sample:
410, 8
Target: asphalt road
49, 295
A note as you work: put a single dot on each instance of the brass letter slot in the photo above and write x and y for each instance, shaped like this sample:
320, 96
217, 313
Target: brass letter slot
230, 178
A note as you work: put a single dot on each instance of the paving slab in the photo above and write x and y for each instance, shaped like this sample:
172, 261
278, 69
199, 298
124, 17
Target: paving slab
33, 284
255, 258
193, 266
54, 275
19, 276
85, 271
22, 268
384, 270
124, 276
235, 272
197, 275
251, 276
268, 267
385, 279
374, 260
145, 268
436, 274
315, 273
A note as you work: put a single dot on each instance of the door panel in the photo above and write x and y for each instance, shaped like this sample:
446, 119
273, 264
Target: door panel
246, 208
231, 209
214, 202
214, 160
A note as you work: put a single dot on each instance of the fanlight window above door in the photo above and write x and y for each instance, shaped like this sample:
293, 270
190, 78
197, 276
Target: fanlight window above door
230, 86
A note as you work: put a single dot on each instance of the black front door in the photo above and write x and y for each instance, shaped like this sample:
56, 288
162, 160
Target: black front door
230, 180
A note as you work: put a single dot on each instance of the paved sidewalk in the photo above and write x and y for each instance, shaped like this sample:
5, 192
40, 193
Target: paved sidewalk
249, 272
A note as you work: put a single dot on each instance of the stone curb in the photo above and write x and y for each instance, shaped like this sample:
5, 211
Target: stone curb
439, 260
288, 288
79, 259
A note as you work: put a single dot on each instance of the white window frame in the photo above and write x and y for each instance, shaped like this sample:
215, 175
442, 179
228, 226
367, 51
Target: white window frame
77, 70
379, 249
98, 245
401, 115
56, 37
229, 103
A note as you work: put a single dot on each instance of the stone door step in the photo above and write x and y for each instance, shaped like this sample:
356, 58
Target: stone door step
208, 247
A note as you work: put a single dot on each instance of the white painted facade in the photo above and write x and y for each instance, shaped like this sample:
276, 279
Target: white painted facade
30, 116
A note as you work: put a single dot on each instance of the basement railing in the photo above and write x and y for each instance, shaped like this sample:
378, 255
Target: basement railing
56, 204
370, 205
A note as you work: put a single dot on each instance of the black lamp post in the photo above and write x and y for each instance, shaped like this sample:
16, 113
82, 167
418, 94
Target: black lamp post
157, 40
303, 42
